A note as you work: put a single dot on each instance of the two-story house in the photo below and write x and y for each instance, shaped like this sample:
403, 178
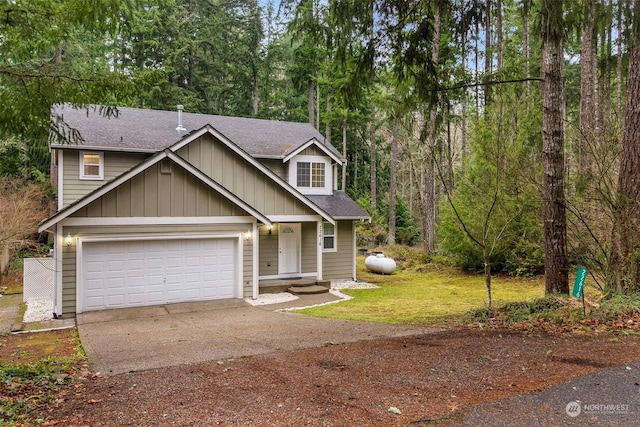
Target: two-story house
157, 207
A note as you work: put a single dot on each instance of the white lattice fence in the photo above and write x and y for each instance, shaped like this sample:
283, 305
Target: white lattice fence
38, 279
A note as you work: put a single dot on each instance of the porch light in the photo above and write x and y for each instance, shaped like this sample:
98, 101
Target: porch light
68, 239
247, 235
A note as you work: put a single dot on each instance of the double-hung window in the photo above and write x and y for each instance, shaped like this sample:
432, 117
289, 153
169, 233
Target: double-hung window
329, 237
91, 165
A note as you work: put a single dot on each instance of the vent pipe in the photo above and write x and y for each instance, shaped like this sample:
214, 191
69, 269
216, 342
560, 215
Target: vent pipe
180, 127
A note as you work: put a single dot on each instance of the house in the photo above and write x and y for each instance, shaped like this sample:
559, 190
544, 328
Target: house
158, 207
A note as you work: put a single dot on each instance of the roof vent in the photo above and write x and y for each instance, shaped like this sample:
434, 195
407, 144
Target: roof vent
180, 128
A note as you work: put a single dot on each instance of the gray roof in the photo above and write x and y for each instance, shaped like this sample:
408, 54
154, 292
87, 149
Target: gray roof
142, 130
340, 206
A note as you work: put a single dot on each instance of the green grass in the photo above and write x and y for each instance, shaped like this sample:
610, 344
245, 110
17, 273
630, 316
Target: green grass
415, 296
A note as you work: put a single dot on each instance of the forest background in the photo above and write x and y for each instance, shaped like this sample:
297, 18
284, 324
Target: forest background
501, 134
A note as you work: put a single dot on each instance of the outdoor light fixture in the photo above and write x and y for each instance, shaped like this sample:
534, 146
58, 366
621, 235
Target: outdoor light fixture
68, 239
247, 235
270, 228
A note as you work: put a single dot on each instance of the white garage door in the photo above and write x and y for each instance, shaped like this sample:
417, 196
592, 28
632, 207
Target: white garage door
150, 272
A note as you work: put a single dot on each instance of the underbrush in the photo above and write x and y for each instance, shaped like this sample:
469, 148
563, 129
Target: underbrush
617, 313
26, 387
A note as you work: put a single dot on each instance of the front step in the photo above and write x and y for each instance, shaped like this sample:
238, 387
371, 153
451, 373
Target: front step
308, 290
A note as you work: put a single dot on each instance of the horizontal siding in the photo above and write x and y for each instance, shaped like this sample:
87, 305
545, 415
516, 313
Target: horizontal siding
268, 251
69, 253
115, 164
339, 265
309, 246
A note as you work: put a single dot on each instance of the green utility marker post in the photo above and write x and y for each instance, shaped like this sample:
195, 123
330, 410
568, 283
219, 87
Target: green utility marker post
578, 287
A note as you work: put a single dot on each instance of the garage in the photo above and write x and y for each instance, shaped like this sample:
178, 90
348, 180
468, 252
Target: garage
133, 273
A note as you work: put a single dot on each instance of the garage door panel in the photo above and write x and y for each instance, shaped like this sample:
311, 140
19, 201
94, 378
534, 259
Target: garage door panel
138, 273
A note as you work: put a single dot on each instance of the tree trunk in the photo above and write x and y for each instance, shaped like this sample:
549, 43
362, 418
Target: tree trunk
487, 274
554, 213
393, 170
344, 154
327, 132
311, 102
626, 263
526, 43
488, 56
588, 81
499, 35
373, 160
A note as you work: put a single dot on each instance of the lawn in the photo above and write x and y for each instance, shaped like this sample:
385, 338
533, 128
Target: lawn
410, 296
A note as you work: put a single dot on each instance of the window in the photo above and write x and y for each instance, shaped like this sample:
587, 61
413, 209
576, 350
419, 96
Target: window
310, 174
91, 165
328, 237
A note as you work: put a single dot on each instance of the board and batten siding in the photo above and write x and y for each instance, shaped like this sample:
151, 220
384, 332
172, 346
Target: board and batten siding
153, 193
339, 264
148, 231
277, 167
115, 164
240, 177
312, 150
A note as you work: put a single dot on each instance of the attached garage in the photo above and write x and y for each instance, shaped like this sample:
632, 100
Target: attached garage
133, 273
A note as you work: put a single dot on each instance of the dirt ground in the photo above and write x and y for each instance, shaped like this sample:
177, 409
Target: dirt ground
419, 380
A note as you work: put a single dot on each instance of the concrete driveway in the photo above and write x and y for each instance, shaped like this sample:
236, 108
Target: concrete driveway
127, 340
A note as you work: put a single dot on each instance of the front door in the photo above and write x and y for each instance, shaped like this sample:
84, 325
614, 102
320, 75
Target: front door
289, 249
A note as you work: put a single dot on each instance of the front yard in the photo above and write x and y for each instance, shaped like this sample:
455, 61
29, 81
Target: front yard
410, 296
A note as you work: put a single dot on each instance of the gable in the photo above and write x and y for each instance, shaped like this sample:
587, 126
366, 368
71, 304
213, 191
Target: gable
161, 191
218, 161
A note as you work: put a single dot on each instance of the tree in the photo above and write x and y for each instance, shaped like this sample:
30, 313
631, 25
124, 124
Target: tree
554, 213
627, 215
40, 63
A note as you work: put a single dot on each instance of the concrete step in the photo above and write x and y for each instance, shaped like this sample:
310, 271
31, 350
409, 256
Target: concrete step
308, 290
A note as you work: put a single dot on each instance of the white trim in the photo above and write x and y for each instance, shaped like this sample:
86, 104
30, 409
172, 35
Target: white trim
79, 241
335, 238
57, 251
296, 218
312, 141
354, 247
293, 174
276, 277
256, 262
138, 169
60, 180
319, 249
103, 148
219, 188
161, 220
230, 144
82, 176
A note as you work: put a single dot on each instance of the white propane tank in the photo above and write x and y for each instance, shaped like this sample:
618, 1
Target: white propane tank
379, 263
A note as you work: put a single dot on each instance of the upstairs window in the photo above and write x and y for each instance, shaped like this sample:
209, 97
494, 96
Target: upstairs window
91, 165
328, 237
310, 175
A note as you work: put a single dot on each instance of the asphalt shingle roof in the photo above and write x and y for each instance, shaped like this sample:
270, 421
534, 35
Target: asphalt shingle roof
136, 129
340, 206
